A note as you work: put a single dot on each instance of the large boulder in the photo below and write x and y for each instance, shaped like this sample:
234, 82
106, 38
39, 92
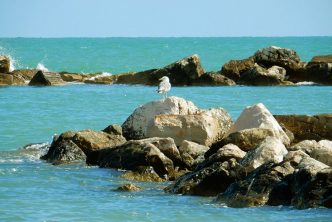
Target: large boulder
269, 150
4, 64
136, 153
137, 124
42, 78
308, 127
182, 72
324, 153
192, 153
234, 68
260, 76
204, 127
89, 141
270, 56
258, 116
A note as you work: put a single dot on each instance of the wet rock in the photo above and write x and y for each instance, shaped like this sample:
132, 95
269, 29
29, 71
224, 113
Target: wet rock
64, 153
42, 78
101, 79
258, 116
4, 64
137, 124
136, 153
268, 184
207, 181
234, 68
213, 79
246, 139
147, 77
269, 150
192, 153
7, 79
143, 174
89, 141
72, 77
204, 127
129, 188
259, 76
308, 127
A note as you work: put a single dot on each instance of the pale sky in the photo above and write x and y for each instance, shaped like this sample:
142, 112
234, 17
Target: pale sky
159, 18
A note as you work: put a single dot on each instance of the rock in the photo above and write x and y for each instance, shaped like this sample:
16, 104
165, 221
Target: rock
320, 72
296, 156
322, 58
225, 153
129, 187
258, 116
204, 127
324, 153
266, 185
64, 153
207, 181
167, 147
143, 174
308, 127
306, 146
246, 139
259, 76
100, 79
27, 74
316, 192
136, 125
136, 153
42, 78
11, 79
191, 152
4, 64
89, 141
234, 68
182, 72
283, 57
213, 79
72, 77
269, 150
113, 129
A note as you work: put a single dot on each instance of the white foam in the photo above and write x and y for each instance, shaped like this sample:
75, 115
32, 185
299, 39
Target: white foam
305, 83
103, 74
41, 67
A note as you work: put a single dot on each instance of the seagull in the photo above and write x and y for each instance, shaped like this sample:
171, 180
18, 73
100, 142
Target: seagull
164, 86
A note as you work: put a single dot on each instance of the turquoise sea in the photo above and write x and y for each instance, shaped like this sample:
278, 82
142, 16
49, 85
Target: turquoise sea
32, 190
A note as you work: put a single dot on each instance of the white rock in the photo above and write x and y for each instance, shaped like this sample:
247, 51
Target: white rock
324, 153
135, 127
258, 116
204, 127
270, 149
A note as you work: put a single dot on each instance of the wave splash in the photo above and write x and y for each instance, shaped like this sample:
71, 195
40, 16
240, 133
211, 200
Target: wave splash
42, 67
103, 74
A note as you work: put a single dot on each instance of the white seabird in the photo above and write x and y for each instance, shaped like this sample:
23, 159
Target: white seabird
164, 86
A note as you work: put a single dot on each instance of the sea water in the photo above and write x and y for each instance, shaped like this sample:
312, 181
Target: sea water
32, 190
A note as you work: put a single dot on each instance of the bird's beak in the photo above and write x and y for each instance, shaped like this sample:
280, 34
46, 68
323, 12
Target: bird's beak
160, 79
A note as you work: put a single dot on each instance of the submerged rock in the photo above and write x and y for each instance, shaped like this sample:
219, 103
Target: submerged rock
143, 174
42, 78
129, 188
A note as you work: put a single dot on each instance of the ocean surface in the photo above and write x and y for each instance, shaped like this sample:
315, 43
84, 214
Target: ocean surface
32, 190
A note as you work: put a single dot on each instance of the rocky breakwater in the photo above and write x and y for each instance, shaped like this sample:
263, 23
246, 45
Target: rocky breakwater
257, 164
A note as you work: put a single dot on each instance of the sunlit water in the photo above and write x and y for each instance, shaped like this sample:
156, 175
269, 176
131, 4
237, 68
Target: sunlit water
32, 190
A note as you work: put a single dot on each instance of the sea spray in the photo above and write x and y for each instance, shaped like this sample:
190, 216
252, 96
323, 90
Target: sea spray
41, 67
103, 74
